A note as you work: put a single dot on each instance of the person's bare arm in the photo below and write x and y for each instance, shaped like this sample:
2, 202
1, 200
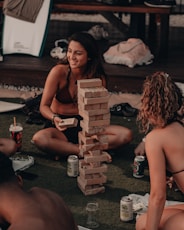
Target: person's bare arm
8, 146
157, 170
140, 149
49, 92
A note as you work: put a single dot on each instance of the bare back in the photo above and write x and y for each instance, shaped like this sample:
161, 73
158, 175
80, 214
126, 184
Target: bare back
40, 209
168, 142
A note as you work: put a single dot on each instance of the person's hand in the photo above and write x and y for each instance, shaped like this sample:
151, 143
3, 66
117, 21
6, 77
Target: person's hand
140, 149
57, 121
170, 182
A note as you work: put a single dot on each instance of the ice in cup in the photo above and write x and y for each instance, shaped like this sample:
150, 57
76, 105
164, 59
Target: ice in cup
16, 134
92, 213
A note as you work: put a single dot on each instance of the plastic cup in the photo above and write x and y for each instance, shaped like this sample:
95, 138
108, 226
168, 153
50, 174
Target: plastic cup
92, 213
16, 134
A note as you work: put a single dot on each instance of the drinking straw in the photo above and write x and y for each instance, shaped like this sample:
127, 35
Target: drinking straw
14, 121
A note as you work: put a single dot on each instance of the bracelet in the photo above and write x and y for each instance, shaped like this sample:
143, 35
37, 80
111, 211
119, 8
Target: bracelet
54, 115
144, 139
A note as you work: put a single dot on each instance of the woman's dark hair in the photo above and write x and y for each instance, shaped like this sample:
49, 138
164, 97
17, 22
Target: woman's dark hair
94, 66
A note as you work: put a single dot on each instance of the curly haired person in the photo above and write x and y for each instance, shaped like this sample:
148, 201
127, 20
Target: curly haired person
164, 146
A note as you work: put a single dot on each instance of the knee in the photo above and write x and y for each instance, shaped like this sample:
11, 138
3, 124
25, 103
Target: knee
38, 139
129, 135
8, 146
124, 136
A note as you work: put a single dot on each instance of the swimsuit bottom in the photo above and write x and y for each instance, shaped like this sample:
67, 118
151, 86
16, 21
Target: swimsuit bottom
70, 133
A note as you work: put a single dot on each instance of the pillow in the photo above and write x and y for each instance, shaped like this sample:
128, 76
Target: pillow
130, 53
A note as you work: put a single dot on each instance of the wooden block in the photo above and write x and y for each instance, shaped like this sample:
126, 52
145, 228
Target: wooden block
95, 152
104, 106
93, 92
100, 179
102, 138
68, 122
86, 140
82, 106
97, 123
88, 117
87, 131
95, 146
89, 83
88, 176
83, 164
94, 139
104, 157
90, 170
96, 100
95, 164
91, 190
91, 132
81, 151
93, 112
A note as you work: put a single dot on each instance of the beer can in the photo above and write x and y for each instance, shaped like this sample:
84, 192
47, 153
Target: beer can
126, 209
72, 166
138, 166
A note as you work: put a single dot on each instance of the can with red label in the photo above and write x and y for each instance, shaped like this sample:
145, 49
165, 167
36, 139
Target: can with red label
138, 166
73, 166
126, 209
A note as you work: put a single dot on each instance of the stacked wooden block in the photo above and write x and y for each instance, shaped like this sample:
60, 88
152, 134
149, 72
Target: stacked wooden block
93, 107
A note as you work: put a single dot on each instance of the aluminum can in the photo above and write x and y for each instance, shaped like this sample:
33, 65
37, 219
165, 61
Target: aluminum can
138, 166
126, 209
73, 166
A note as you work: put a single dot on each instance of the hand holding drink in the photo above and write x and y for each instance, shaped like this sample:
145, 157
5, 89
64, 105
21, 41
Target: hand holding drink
16, 134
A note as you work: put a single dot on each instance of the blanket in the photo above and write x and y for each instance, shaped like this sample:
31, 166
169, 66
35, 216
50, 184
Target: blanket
130, 53
140, 203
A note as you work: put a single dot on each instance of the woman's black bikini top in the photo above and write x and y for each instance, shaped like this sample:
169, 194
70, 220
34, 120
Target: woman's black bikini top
64, 95
173, 173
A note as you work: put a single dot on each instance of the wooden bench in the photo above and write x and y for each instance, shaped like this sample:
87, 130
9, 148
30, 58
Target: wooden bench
137, 27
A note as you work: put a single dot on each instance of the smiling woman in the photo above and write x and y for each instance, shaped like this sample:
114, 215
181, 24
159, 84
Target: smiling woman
59, 100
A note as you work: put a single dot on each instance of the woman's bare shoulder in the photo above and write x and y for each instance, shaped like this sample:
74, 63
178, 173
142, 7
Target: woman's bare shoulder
60, 68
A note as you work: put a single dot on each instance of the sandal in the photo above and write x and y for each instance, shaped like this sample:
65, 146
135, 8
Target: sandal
123, 109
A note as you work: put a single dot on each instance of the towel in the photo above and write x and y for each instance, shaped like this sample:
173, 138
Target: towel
140, 203
130, 53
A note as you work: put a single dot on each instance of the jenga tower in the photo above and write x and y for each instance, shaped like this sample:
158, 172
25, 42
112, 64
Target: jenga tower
93, 107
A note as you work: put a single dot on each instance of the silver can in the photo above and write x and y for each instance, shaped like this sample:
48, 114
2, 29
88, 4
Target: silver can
138, 166
126, 209
73, 166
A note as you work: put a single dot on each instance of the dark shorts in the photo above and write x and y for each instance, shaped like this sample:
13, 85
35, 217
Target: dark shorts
70, 133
